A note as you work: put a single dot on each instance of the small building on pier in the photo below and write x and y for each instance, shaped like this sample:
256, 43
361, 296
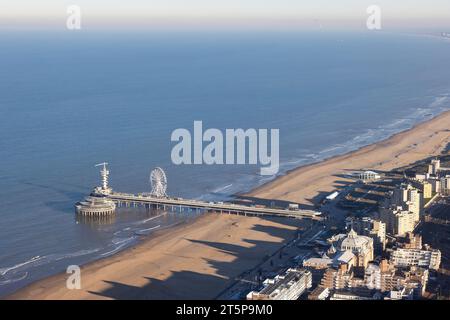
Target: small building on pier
369, 176
95, 206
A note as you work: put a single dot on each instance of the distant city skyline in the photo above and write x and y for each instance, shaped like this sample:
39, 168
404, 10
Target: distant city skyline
411, 14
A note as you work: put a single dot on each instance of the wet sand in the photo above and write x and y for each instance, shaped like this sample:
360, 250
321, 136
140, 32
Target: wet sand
200, 259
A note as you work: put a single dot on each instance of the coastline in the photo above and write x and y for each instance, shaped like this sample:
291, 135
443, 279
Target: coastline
198, 251
210, 252
425, 139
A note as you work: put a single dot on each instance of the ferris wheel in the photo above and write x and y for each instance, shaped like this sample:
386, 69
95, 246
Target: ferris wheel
158, 181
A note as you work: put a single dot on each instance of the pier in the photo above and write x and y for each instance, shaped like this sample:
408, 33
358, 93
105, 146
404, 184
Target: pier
157, 199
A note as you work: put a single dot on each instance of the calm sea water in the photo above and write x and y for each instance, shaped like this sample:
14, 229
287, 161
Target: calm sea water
71, 100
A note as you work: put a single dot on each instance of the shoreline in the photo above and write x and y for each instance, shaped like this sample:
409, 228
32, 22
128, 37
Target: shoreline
250, 190
231, 255
265, 189
141, 240
304, 184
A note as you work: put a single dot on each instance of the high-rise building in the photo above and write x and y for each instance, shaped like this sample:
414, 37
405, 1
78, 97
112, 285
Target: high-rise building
435, 184
409, 198
427, 190
445, 185
434, 166
398, 221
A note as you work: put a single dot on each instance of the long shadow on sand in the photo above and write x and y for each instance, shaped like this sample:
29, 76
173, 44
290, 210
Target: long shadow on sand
198, 285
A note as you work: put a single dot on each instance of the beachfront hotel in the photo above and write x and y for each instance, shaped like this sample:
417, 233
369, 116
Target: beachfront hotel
288, 286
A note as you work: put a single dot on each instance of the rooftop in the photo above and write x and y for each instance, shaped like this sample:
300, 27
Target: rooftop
282, 282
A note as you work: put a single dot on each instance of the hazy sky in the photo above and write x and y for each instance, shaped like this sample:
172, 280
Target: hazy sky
405, 13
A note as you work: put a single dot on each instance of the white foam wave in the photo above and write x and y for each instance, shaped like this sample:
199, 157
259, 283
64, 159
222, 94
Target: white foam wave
371, 135
150, 219
220, 189
4, 271
145, 231
9, 274
16, 279
121, 242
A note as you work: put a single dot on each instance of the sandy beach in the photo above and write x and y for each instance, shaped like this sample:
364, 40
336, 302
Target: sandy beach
308, 184
198, 260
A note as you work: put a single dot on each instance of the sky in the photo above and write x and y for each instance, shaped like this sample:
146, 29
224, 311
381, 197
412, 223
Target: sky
172, 13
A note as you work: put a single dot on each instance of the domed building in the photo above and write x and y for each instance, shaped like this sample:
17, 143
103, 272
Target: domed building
360, 246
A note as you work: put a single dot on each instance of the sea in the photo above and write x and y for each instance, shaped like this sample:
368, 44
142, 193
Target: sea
70, 100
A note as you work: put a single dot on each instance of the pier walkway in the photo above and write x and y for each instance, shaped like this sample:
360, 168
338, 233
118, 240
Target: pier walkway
103, 201
149, 201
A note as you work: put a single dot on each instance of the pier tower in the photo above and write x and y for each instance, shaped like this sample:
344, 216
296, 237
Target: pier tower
105, 189
97, 204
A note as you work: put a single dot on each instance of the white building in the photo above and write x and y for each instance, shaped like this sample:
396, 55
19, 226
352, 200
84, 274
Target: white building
289, 286
332, 196
401, 293
429, 258
350, 295
367, 176
372, 276
434, 166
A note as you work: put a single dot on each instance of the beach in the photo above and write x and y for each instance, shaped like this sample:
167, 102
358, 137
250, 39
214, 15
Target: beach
195, 260
308, 185
200, 259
